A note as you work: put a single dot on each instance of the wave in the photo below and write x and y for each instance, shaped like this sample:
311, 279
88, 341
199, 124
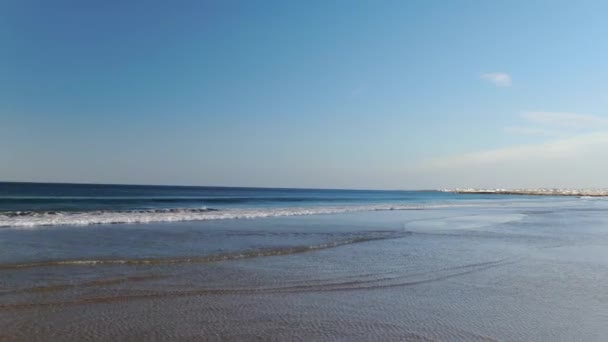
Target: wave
43, 213
246, 254
26, 219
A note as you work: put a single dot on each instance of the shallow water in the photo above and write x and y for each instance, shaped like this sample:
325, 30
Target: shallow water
505, 270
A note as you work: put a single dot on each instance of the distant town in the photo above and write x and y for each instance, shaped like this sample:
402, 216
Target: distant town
539, 192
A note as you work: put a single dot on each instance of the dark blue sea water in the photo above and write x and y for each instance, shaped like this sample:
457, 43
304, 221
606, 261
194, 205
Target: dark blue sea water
39, 204
54, 196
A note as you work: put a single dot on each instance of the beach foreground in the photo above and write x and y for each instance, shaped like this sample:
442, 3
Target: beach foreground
531, 270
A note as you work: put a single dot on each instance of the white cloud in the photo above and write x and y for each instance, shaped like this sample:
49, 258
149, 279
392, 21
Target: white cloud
572, 155
532, 131
572, 162
560, 148
499, 79
565, 120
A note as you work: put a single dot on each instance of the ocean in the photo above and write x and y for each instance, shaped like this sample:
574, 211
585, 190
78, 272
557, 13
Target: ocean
31, 204
163, 263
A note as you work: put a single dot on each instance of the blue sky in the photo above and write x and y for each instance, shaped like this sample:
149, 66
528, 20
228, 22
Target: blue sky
338, 94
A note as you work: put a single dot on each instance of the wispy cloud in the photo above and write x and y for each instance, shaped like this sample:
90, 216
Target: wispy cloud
557, 124
499, 79
571, 154
576, 161
564, 120
560, 148
532, 131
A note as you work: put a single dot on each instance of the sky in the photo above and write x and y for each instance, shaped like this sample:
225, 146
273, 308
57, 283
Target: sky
323, 94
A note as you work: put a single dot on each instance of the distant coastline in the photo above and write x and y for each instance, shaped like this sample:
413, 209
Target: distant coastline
535, 192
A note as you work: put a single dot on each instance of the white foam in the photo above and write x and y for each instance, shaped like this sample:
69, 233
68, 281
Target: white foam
176, 215
464, 222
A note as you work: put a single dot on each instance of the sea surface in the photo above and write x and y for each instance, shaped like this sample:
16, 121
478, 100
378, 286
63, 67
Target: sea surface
161, 263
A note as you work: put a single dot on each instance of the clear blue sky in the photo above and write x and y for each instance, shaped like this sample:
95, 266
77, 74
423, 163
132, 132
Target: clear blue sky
339, 94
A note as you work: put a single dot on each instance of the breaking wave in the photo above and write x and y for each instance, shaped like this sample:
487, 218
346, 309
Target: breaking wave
53, 218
